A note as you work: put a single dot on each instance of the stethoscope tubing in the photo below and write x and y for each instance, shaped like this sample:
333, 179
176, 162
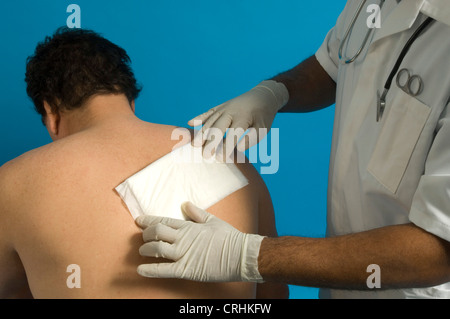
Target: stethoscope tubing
387, 86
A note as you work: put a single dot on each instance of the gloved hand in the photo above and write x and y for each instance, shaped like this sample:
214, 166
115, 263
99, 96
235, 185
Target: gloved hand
205, 249
252, 110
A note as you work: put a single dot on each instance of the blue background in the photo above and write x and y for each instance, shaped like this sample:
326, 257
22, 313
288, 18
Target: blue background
190, 56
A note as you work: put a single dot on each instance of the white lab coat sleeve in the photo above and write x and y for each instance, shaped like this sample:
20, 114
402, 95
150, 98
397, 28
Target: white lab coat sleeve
328, 53
431, 203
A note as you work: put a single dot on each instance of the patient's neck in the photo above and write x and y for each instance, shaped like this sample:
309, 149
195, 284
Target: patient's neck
100, 110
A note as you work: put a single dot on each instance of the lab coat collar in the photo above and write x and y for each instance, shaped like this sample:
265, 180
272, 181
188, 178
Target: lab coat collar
406, 13
401, 18
437, 9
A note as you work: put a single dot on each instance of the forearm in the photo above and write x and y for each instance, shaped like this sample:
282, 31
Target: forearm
407, 256
310, 87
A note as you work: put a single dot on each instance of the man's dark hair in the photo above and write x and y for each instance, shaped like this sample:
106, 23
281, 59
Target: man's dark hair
75, 64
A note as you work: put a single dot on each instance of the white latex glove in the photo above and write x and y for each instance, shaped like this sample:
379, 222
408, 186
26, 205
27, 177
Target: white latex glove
205, 249
252, 110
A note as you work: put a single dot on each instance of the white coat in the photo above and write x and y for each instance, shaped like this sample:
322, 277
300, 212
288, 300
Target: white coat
397, 170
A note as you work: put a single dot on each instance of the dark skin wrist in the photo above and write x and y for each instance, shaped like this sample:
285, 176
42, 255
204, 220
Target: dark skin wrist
310, 87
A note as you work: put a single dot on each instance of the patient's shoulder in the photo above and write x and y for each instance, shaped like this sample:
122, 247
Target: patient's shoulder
24, 174
24, 164
12, 184
12, 173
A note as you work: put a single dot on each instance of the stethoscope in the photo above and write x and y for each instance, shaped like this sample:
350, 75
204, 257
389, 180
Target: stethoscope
408, 85
350, 28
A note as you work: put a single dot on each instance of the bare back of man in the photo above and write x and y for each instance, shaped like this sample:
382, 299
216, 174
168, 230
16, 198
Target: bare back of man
58, 207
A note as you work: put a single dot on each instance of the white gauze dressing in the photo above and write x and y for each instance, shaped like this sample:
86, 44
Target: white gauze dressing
180, 176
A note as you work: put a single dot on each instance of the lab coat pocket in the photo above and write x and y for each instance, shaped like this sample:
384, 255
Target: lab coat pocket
398, 138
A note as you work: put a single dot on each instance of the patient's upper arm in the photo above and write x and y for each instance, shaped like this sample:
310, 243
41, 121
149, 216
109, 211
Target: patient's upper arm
13, 283
4, 261
4, 266
260, 195
266, 226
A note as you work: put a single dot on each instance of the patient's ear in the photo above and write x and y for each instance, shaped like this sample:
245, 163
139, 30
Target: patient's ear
51, 121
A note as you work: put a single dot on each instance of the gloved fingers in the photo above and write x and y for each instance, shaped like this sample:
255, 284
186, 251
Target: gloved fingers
215, 134
222, 124
199, 137
253, 137
195, 213
210, 122
206, 119
156, 270
159, 232
235, 133
158, 249
147, 220
240, 127
200, 119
